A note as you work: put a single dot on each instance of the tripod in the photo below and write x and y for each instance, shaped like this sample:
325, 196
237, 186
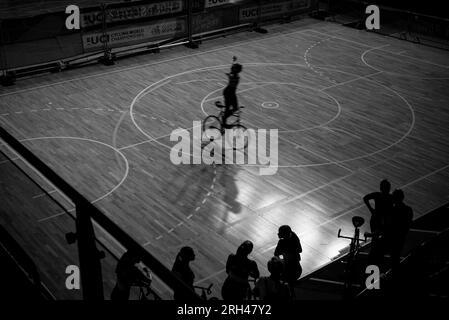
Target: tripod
353, 251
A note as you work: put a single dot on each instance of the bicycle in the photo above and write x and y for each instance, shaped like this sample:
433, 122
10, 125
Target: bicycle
205, 291
354, 248
213, 122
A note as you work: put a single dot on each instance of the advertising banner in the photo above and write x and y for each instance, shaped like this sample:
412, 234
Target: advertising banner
207, 22
272, 9
216, 3
93, 18
133, 35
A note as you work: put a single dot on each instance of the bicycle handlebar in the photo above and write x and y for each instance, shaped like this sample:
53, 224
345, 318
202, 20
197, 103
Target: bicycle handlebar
206, 289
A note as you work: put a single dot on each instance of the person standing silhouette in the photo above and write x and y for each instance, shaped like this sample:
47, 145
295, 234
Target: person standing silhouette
181, 268
380, 214
401, 220
239, 268
289, 247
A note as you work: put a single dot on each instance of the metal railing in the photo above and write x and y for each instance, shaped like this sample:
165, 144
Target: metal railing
89, 256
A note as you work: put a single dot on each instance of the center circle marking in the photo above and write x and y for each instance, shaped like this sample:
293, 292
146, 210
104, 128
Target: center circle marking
270, 105
168, 79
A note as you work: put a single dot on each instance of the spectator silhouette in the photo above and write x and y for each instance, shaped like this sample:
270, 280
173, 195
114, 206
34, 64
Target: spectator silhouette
380, 213
272, 288
181, 268
239, 267
127, 275
398, 227
289, 247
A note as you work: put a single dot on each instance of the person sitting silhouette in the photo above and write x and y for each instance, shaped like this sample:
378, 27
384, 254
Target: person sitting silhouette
127, 275
239, 268
289, 247
272, 288
380, 214
181, 268
230, 92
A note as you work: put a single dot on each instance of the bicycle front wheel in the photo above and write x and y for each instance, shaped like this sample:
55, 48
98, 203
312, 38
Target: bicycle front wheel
210, 125
237, 137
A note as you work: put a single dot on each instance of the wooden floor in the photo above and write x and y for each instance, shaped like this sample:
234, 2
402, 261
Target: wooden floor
354, 108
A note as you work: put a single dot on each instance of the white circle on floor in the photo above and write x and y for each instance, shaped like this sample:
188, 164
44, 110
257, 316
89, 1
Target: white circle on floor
270, 105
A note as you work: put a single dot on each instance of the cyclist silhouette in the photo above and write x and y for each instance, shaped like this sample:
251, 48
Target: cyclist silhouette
230, 92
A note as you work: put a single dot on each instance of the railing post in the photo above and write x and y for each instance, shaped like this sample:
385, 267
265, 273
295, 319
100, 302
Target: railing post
6, 78
107, 58
89, 256
256, 26
191, 44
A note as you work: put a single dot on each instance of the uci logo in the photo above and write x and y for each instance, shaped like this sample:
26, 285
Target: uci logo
217, 1
104, 38
249, 13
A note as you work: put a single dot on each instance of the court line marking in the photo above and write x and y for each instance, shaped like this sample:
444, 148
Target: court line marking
343, 131
392, 72
205, 80
359, 170
311, 66
180, 221
124, 113
380, 48
284, 201
157, 84
368, 155
93, 141
184, 221
400, 53
243, 42
362, 205
56, 215
286, 84
421, 60
238, 91
151, 139
161, 84
284, 131
352, 80
7, 161
115, 133
112, 239
43, 194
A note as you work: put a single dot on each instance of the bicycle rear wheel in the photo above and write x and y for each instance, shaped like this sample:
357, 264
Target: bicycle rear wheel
237, 137
211, 123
